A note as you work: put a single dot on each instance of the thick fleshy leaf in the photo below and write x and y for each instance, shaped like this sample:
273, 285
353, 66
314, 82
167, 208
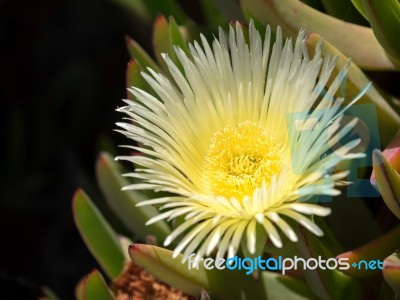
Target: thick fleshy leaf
360, 7
79, 288
97, 234
391, 272
326, 284
123, 203
294, 15
134, 78
176, 36
177, 39
377, 249
384, 17
93, 286
140, 55
389, 120
218, 283
392, 155
158, 261
161, 41
388, 182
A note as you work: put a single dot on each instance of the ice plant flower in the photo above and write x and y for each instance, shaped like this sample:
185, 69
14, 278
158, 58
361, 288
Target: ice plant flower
240, 137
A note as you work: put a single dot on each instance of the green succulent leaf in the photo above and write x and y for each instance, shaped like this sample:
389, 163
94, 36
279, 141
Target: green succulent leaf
389, 120
177, 39
97, 234
134, 78
218, 283
384, 17
123, 203
392, 154
159, 262
294, 15
326, 284
391, 272
93, 286
79, 289
388, 181
161, 41
374, 250
140, 55
360, 7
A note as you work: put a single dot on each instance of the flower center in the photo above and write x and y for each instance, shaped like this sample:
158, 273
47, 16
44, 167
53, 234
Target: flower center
240, 158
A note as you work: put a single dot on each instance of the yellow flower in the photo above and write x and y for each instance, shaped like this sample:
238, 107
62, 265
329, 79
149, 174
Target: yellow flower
225, 138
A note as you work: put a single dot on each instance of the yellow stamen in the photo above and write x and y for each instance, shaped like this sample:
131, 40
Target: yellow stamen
240, 159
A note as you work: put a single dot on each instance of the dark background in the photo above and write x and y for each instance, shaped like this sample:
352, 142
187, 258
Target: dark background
62, 66
62, 74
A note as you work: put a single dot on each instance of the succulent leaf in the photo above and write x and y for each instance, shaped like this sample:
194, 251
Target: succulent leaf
384, 17
161, 41
326, 284
97, 234
388, 181
123, 203
376, 249
391, 272
159, 262
176, 40
93, 286
294, 15
360, 7
142, 57
134, 78
392, 154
